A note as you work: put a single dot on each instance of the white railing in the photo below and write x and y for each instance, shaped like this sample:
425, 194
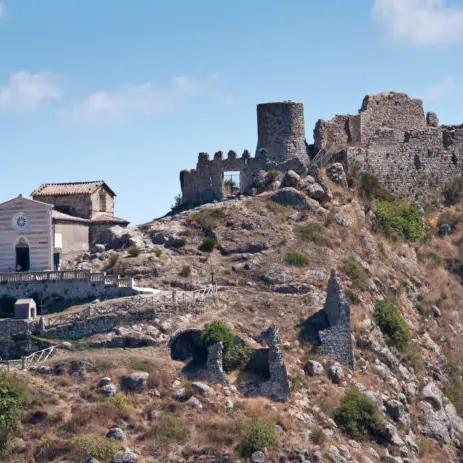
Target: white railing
34, 359
107, 280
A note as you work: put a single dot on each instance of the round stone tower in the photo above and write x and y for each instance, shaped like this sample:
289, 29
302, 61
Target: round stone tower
281, 131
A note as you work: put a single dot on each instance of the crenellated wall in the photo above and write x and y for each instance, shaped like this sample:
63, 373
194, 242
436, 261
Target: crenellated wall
205, 183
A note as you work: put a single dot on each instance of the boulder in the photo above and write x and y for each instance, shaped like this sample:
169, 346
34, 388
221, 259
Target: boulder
432, 394
315, 191
90, 459
125, 456
118, 237
135, 382
258, 457
291, 179
337, 174
335, 373
276, 275
98, 248
203, 389
193, 402
294, 198
116, 433
167, 237
395, 409
314, 368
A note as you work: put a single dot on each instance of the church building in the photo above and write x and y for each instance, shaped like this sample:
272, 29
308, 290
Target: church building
59, 219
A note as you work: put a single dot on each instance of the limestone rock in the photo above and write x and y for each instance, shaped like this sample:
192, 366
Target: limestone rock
193, 402
135, 382
98, 248
395, 409
258, 457
229, 404
118, 237
203, 389
294, 198
90, 459
433, 395
116, 433
335, 373
108, 389
291, 179
337, 174
125, 456
276, 275
314, 368
315, 191
292, 288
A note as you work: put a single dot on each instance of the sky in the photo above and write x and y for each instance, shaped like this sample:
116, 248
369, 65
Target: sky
131, 91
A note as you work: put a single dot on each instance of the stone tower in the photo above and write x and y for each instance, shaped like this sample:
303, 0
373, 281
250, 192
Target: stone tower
281, 131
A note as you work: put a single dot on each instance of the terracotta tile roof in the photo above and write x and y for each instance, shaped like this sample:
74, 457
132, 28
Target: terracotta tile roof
57, 215
64, 189
102, 217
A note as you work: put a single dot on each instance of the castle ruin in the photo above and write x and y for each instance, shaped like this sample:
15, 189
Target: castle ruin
390, 137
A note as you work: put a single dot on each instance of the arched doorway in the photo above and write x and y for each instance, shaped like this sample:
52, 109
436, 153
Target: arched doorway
23, 261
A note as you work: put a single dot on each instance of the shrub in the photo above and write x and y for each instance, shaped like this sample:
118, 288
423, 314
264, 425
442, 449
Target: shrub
113, 259
208, 218
399, 219
453, 191
272, 176
237, 357
217, 331
370, 188
119, 401
357, 273
185, 271
315, 233
453, 387
134, 251
297, 259
257, 434
276, 208
97, 446
158, 252
359, 416
351, 296
208, 244
229, 184
168, 429
317, 436
391, 323
177, 204
12, 398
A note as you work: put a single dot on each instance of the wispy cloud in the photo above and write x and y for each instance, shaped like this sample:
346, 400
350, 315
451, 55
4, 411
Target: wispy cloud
2, 9
114, 107
27, 92
419, 22
446, 89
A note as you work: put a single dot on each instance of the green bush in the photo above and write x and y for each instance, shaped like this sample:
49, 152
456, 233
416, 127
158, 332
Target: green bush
177, 204
237, 357
399, 219
315, 233
208, 218
12, 401
119, 401
134, 251
257, 434
229, 184
168, 429
113, 259
453, 387
357, 273
208, 244
99, 447
272, 176
453, 191
391, 323
217, 331
358, 416
297, 259
317, 436
185, 271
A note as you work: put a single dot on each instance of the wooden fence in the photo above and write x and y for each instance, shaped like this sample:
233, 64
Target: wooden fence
25, 363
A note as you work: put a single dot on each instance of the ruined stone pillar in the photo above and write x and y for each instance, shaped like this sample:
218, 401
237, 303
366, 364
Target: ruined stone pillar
281, 131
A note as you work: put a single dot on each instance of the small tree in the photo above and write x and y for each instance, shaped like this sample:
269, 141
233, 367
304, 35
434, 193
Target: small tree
391, 323
177, 203
217, 331
257, 434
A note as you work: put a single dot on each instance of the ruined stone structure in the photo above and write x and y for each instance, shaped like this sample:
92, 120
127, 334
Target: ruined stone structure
281, 146
336, 341
391, 138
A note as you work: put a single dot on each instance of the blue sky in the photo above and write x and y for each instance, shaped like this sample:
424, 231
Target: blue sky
130, 92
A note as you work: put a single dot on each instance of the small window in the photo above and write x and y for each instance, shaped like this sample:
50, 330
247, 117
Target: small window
102, 202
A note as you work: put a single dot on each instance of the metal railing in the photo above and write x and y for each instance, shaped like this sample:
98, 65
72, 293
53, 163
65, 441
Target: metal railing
107, 280
34, 359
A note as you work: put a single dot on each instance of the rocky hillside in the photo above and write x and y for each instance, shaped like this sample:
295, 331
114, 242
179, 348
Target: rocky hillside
271, 256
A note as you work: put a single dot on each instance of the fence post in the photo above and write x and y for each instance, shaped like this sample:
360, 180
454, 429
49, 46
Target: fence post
22, 363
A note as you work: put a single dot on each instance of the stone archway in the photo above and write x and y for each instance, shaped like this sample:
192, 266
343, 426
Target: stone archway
23, 259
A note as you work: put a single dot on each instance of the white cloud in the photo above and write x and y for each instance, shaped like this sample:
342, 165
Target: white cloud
419, 22
113, 107
2, 9
27, 92
446, 89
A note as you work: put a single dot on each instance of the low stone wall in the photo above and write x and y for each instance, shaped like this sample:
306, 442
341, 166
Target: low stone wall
10, 327
62, 293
